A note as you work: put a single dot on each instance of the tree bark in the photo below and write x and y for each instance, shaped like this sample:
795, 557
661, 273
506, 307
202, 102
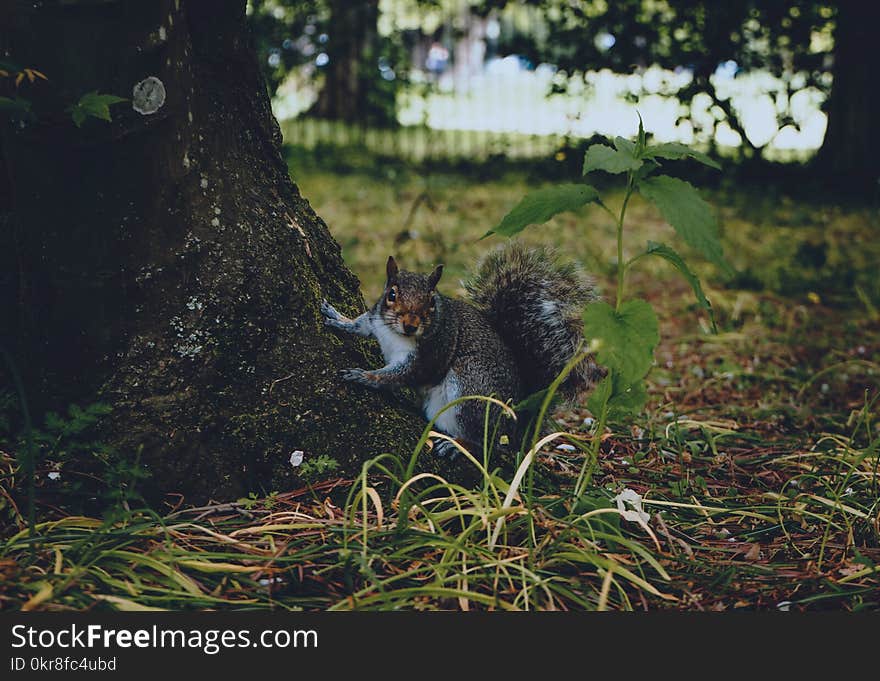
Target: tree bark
167, 263
850, 152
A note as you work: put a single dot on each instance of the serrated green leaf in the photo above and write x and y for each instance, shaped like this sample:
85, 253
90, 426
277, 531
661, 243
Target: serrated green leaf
601, 157
539, 206
626, 338
690, 216
675, 151
670, 255
95, 105
95, 99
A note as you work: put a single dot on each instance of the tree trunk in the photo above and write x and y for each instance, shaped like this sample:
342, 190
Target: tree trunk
851, 149
167, 263
345, 95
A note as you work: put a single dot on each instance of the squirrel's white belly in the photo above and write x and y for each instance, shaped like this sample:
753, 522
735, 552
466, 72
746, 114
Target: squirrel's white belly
437, 397
395, 347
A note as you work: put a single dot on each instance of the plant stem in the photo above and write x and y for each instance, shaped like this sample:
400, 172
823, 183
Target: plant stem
621, 267
586, 474
589, 465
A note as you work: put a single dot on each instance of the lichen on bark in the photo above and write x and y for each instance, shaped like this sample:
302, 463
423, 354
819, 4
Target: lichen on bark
171, 266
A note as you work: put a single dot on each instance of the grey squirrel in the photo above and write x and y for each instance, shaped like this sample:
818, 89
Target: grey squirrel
519, 329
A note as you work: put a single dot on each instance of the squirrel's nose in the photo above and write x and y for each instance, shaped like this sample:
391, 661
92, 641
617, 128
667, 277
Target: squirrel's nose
410, 329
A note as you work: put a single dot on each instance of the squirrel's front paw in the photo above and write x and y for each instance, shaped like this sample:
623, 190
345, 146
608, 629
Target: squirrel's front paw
360, 376
329, 312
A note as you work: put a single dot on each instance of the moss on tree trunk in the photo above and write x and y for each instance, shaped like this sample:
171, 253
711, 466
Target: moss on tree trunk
168, 263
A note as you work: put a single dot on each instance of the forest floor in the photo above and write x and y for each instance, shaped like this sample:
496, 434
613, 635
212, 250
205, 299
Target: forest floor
754, 464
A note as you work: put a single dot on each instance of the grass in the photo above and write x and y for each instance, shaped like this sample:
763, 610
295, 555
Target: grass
755, 462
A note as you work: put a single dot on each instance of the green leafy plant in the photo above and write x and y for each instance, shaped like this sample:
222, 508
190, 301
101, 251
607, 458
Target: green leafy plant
18, 73
317, 468
95, 105
17, 108
12, 77
623, 336
86, 469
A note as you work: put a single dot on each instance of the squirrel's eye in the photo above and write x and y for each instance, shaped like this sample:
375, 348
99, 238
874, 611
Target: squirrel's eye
392, 295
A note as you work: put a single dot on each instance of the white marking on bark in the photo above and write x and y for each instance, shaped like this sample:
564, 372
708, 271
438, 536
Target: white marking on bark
148, 96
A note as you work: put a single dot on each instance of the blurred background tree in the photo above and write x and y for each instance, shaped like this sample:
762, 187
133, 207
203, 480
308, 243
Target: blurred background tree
756, 81
336, 45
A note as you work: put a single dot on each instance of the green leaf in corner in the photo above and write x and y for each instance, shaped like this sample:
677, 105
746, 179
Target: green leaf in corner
670, 255
601, 157
95, 105
625, 338
539, 206
675, 151
690, 216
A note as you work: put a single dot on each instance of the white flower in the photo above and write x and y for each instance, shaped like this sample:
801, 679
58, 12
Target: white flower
634, 500
296, 458
54, 475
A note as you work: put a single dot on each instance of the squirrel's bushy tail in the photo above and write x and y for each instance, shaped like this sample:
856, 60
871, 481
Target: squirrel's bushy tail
535, 302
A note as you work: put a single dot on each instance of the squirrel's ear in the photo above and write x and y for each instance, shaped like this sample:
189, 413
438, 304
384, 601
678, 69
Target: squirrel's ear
391, 269
435, 276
